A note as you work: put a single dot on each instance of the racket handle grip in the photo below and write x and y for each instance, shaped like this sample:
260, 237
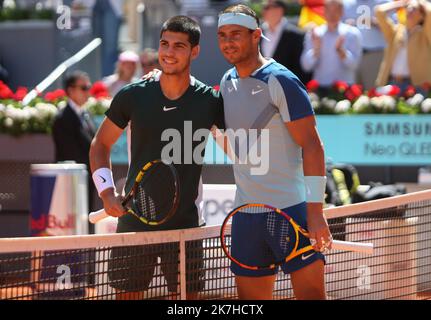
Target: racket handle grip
366, 248
98, 215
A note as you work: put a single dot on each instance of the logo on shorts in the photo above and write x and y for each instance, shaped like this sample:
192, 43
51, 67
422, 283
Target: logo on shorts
305, 257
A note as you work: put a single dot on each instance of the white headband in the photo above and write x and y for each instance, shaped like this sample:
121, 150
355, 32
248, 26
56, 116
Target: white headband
240, 19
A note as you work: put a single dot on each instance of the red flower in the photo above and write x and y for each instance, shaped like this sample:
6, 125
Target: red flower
312, 85
99, 90
20, 93
216, 87
5, 91
341, 86
60, 93
395, 90
55, 95
427, 86
50, 96
410, 91
389, 90
373, 93
354, 92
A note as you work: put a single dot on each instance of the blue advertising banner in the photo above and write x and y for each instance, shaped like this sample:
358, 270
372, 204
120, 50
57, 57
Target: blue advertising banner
377, 139
356, 139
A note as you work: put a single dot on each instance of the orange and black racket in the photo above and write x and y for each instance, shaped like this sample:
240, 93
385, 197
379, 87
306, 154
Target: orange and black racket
154, 197
280, 234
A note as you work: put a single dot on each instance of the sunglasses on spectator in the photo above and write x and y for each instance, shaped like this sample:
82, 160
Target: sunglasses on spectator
83, 87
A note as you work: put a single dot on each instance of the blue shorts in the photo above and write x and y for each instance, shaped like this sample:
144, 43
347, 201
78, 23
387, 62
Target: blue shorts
256, 247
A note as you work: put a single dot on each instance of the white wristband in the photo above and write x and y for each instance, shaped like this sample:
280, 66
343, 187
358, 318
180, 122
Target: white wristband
315, 188
103, 179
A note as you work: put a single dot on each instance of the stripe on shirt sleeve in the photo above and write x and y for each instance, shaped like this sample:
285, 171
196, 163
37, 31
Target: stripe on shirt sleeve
290, 96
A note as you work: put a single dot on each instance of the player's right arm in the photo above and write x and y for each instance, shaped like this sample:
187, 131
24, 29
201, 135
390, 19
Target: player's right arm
101, 168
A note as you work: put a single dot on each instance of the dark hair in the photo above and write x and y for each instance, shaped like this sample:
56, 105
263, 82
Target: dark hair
276, 3
241, 8
185, 25
71, 78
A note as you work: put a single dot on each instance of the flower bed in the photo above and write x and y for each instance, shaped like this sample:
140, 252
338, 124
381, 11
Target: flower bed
16, 119
342, 98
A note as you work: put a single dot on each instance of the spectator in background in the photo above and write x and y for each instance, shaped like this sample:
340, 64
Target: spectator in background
287, 40
407, 59
333, 50
107, 18
149, 60
125, 72
4, 75
360, 13
73, 129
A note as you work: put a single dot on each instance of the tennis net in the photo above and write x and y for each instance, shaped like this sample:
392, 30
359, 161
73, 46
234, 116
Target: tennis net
190, 263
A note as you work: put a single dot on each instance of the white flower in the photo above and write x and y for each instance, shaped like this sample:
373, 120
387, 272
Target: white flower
343, 106
329, 103
384, 103
106, 103
389, 103
8, 122
10, 111
2, 108
315, 105
426, 105
313, 96
416, 99
16, 114
91, 101
46, 110
33, 114
62, 104
361, 103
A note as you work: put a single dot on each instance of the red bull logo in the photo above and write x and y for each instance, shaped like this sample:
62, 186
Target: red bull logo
52, 222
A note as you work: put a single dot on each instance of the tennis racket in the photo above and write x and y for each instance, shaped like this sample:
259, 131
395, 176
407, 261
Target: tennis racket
280, 232
154, 196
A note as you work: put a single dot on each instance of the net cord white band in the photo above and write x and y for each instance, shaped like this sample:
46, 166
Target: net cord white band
8, 245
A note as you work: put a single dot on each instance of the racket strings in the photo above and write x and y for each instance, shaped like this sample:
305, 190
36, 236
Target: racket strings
156, 193
273, 232
270, 223
146, 204
278, 230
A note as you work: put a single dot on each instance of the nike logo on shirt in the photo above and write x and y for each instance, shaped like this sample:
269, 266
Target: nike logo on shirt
168, 109
253, 92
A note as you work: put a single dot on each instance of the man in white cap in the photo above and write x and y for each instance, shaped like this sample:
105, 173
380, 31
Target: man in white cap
262, 94
125, 73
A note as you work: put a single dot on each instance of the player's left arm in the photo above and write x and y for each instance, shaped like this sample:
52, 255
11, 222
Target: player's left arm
305, 134
289, 95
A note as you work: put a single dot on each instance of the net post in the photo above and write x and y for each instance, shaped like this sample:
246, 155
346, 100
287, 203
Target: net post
183, 287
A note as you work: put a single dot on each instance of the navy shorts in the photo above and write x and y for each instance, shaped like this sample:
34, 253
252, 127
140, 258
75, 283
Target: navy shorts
252, 244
